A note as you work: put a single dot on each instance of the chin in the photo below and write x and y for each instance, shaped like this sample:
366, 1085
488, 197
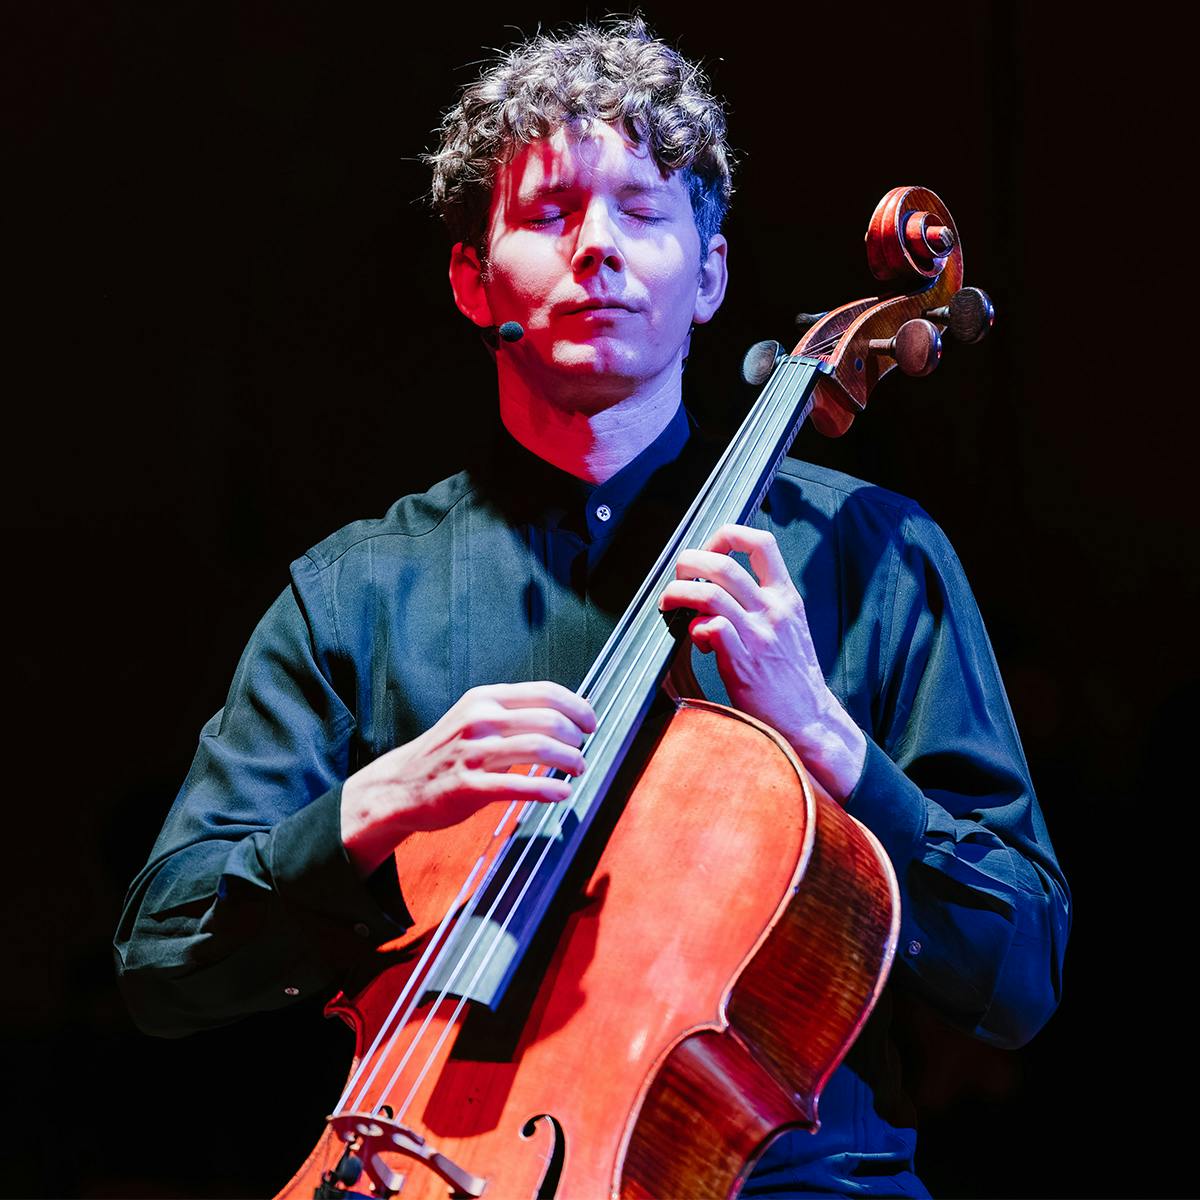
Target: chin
579, 393
591, 376
602, 361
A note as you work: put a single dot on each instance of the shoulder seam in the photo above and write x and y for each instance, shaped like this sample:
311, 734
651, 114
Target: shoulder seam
327, 600
367, 537
884, 497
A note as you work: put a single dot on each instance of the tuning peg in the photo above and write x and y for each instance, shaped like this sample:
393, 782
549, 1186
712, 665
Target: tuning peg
804, 320
969, 315
917, 346
760, 361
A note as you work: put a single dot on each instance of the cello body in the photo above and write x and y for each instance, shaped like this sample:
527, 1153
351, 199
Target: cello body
662, 1037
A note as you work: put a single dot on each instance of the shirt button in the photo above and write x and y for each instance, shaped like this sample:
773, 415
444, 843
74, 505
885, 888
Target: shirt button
914, 947
603, 512
291, 991
363, 929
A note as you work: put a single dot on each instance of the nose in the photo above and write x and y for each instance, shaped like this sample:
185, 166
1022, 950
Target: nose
597, 244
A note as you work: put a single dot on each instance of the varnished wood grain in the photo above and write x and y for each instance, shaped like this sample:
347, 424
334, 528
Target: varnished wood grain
629, 1038
843, 336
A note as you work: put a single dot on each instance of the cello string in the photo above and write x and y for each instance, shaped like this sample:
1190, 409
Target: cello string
648, 655
352, 1083
647, 652
416, 977
772, 421
744, 446
548, 814
431, 1058
449, 945
459, 965
660, 572
768, 413
442, 952
823, 346
604, 722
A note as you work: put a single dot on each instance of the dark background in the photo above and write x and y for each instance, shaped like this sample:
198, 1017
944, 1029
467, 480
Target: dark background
231, 334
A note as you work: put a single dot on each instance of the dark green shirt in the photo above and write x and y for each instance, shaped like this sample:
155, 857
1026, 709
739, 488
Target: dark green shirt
515, 571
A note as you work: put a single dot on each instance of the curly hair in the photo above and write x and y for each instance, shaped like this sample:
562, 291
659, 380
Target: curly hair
619, 74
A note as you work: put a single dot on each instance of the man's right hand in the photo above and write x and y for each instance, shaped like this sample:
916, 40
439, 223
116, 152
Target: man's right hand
462, 763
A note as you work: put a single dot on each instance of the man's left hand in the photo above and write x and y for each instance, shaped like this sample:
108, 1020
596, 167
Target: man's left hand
754, 622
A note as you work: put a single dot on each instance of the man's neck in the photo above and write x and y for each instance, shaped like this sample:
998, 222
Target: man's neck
591, 445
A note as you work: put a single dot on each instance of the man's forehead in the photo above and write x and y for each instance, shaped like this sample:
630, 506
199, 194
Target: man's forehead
579, 155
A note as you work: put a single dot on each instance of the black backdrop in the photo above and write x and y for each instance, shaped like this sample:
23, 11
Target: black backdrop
232, 334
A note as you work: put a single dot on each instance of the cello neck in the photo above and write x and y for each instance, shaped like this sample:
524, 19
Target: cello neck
732, 493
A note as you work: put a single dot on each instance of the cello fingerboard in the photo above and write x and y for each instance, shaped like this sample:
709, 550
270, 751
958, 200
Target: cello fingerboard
500, 921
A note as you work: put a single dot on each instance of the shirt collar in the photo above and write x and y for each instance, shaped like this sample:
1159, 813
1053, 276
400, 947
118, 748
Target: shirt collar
544, 494
610, 501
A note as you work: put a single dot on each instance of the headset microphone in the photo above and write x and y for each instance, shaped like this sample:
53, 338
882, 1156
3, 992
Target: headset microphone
511, 331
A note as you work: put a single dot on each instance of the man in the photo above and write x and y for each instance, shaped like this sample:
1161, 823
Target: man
414, 659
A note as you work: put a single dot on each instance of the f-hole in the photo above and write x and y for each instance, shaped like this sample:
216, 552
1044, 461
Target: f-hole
554, 1165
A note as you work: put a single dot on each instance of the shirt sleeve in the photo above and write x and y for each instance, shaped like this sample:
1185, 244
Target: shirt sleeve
248, 901
946, 789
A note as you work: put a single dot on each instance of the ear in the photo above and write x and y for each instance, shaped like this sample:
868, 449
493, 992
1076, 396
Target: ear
466, 282
714, 275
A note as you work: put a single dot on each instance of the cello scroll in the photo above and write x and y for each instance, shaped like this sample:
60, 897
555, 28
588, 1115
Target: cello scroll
912, 242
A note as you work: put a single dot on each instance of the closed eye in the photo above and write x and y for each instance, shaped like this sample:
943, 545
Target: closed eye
638, 215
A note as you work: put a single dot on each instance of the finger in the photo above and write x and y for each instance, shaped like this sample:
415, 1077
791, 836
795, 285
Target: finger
720, 568
705, 597
510, 722
511, 785
500, 753
766, 561
715, 635
698, 631
719, 634
543, 694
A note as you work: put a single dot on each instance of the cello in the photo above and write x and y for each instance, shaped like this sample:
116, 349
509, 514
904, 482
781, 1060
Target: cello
565, 1018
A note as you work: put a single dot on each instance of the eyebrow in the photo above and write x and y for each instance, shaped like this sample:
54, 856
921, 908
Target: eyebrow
561, 186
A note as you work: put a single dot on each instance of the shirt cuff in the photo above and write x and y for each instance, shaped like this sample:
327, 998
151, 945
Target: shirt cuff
891, 806
343, 915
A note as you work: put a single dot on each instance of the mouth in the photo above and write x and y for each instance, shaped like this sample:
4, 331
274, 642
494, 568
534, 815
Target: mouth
598, 306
